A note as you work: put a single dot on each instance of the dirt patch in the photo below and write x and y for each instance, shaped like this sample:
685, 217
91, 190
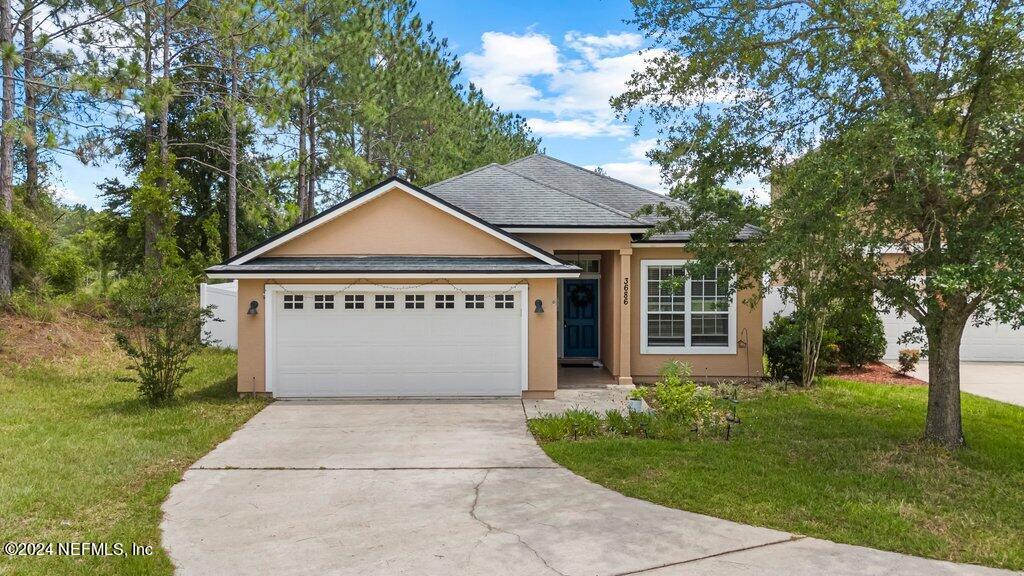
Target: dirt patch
877, 373
24, 340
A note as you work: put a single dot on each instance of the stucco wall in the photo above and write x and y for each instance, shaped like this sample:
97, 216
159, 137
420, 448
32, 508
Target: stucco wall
396, 223
543, 342
745, 363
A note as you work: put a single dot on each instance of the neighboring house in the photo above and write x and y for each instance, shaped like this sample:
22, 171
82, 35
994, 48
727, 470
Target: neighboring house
481, 285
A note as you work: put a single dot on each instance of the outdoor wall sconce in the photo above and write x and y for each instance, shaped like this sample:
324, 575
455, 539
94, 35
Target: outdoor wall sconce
253, 306
538, 306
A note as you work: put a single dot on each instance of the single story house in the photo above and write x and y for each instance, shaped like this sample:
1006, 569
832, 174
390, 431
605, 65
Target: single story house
491, 283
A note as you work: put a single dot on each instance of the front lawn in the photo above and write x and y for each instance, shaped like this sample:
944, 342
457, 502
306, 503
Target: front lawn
83, 460
841, 461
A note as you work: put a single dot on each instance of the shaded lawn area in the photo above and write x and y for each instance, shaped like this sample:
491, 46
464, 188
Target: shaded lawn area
842, 462
84, 460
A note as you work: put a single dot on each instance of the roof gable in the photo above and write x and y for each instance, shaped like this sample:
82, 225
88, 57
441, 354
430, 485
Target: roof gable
312, 238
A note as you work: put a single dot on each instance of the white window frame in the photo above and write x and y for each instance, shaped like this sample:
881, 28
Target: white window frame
645, 265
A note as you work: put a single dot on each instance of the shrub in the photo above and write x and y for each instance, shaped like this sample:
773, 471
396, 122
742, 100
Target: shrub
549, 427
679, 399
639, 424
784, 356
908, 360
158, 321
65, 270
616, 423
583, 423
860, 332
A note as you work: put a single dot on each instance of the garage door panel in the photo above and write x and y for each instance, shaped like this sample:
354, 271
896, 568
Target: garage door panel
991, 343
398, 352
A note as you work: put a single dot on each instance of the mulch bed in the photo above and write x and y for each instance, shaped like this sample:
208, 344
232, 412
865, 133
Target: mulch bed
877, 373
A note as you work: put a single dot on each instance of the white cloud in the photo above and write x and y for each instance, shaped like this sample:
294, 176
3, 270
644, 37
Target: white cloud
639, 148
750, 185
506, 65
577, 128
638, 173
66, 195
529, 73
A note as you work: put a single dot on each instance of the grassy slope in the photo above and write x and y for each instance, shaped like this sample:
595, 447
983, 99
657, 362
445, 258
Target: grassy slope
842, 462
84, 460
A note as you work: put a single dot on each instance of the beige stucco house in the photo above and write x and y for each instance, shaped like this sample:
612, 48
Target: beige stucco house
498, 282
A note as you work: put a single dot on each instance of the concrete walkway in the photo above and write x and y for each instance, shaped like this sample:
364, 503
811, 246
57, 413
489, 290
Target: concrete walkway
437, 488
1003, 381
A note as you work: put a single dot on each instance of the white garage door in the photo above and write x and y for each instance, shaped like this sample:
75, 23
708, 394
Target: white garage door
392, 343
992, 343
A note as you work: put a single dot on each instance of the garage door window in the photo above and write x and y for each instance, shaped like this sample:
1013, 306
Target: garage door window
354, 302
293, 301
384, 301
323, 301
445, 301
414, 301
475, 301
504, 301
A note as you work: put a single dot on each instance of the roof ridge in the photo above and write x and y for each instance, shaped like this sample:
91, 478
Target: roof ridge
611, 209
457, 176
605, 176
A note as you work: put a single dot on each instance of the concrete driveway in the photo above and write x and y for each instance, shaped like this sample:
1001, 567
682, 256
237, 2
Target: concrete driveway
460, 488
1003, 381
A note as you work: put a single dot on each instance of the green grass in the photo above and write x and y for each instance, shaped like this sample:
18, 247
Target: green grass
842, 461
82, 459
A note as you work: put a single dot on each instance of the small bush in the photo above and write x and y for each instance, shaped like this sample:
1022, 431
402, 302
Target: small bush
549, 427
860, 333
583, 423
616, 423
65, 270
908, 359
639, 424
783, 354
159, 323
30, 305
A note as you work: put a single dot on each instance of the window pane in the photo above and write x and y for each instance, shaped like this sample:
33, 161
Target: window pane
664, 294
710, 330
666, 330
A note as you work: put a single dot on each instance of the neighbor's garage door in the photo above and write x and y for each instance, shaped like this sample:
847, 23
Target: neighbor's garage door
992, 343
337, 344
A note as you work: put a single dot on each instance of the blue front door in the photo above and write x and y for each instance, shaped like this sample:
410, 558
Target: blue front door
579, 313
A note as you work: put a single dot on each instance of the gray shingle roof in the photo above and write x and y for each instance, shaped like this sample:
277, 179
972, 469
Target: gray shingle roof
579, 181
393, 265
746, 233
506, 198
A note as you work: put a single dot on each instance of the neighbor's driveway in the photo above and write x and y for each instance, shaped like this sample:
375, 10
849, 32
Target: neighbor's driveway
454, 488
1003, 381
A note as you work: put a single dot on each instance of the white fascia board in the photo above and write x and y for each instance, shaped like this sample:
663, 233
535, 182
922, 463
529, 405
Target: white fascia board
308, 275
528, 230
375, 193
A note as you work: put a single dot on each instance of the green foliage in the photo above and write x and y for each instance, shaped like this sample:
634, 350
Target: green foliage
861, 334
679, 400
616, 423
582, 423
159, 322
783, 352
549, 427
908, 359
31, 305
65, 270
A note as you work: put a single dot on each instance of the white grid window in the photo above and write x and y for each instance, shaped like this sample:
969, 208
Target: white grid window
414, 301
354, 302
475, 301
683, 315
504, 301
445, 301
384, 301
293, 301
323, 301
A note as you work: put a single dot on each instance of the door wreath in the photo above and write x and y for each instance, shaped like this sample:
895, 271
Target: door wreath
581, 295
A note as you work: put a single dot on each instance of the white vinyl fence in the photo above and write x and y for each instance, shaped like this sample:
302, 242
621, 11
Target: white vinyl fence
224, 300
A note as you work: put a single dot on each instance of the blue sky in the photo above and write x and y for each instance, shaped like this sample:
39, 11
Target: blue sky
556, 63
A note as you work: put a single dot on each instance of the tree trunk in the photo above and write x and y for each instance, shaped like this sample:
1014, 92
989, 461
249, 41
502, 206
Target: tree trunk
156, 219
310, 208
810, 348
30, 88
943, 423
302, 190
233, 160
6, 146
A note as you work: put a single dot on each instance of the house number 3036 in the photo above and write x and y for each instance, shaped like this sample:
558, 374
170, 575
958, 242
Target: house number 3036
625, 291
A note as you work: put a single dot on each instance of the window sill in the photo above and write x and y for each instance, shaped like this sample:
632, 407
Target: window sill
682, 350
